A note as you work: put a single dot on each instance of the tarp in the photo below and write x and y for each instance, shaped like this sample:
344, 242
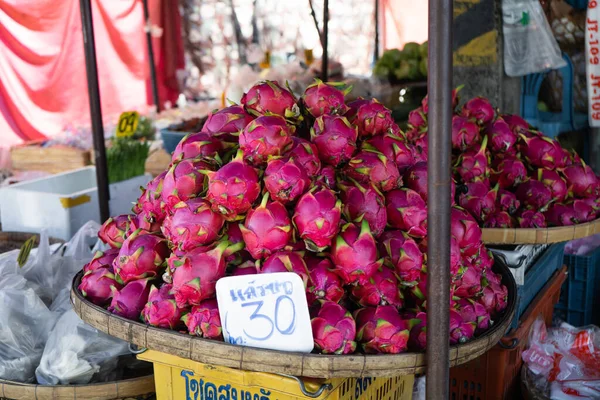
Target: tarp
403, 21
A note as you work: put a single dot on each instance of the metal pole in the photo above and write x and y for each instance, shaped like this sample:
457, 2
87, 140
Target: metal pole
91, 69
439, 86
376, 47
325, 58
148, 25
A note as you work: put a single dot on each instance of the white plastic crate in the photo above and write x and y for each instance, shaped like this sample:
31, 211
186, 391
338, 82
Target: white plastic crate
62, 203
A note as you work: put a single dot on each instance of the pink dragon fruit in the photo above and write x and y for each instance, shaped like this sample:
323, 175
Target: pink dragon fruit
316, 217
326, 177
581, 180
246, 268
96, 286
196, 273
102, 259
480, 200
150, 202
531, 219
499, 219
334, 330
584, 212
381, 330
335, 139
142, 256
407, 211
494, 298
372, 118
364, 202
323, 282
480, 110
191, 224
227, 123
461, 331
129, 301
535, 195
465, 133
416, 179
305, 154
543, 152
204, 320
553, 181
471, 310
485, 260
325, 98
145, 221
507, 201
421, 148
417, 118
402, 253
184, 181
418, 333
517, 124
161, 309
469, 284
502, 138
354, 253
113, 231
353, 107
265, 137
286, 261
418, 291
393, 148
473, 165
233, 188
371, 166
267, 228
269, 97
199, 144
455, 99
381, 289
508, 173
466, 231
286, 180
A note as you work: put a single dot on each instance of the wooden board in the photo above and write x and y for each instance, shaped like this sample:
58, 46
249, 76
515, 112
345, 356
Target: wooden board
32, 156
540, 236
297, 364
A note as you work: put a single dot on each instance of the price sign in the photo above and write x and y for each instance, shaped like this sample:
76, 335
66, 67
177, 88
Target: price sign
266, 310
592, 50
128, 123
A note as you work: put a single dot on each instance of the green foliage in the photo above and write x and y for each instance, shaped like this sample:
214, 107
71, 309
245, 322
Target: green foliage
126, 158
409, 63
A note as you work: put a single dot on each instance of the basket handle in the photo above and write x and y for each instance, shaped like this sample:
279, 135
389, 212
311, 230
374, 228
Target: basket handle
134, 349
312, 395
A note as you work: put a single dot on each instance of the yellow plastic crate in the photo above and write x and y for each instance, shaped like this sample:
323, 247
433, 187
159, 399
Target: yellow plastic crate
177, 378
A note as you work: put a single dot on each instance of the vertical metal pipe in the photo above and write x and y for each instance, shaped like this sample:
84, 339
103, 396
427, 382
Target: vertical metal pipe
325, 58
439, 175
91, 69
376, 46
153, 80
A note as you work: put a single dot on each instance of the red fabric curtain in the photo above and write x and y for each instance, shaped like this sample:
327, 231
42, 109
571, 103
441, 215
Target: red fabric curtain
43, 85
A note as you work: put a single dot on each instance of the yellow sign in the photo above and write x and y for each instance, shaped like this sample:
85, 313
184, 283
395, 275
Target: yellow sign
128, 123
25, 250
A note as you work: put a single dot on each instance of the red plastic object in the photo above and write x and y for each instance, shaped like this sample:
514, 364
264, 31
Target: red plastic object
496, 374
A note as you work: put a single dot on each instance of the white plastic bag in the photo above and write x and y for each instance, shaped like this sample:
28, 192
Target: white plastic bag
529, 44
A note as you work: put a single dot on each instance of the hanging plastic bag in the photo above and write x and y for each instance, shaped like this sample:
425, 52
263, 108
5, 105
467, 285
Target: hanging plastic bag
76, 353
529, 45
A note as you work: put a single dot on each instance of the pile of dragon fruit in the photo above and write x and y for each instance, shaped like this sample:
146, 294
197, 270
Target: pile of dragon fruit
331, 191
510, 175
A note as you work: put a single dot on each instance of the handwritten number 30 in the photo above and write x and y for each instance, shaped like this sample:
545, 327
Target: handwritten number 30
255, 315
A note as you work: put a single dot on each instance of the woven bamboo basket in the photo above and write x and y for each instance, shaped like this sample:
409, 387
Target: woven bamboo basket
297, 364
134, 388
540, 236
14, 240
32, 156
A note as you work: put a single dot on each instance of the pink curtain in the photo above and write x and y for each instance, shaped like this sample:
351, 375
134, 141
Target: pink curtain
403, 21
43, 84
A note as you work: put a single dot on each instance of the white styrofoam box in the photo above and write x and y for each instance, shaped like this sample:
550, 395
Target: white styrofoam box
62, 203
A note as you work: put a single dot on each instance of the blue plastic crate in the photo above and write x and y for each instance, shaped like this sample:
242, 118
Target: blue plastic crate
579, 302
171, 139
579, 4
536, 277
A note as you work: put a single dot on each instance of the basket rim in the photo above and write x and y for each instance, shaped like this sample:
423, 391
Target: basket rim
96, 385
272, 361
540, 235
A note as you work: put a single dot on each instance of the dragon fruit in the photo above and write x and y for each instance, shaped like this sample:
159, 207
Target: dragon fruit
227, 123
372, 118
129, 301
517, 124
96, 286
393, 148
533, 194
381, 289
461, 331
286, 261
317, 217
416, 179
402, 253
334, 330
325, 98
233, 188
354, 253
508, 172
150, 202
113, 231
499, 219
418, 291
407, 211
466, 231
364, 202
353, 107
267, 228
184, 181
269, 97
161, 309
480, 200
474, 165
196, 273
286, 180
553, 181
531, 219
102, 259
543, 152
417, 118
507, 201
584, 212
418, 333
199, 144
305, 154
421, 148
335, 139
245, 268
465, 133
494, 297
203, 320
326, 177
371, 166
146, 221
142, 256
381, 330
480, 110
469, 284
581, 180
265, 137
323, 282
455, 99
191, 224
502, 138
471, 310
